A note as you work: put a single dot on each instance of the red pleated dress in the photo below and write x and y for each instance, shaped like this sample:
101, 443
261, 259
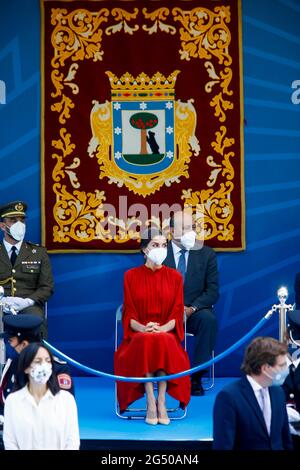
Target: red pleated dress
152, 296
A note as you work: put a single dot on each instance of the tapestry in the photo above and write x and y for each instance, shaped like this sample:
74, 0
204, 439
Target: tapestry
142, 114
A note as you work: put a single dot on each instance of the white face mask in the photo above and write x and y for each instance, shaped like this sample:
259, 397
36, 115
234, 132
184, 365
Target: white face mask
188, 240
17, 231
157, 255
41, 373
278, 377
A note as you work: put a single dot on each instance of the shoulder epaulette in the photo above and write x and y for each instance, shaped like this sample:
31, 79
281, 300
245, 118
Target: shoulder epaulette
33, 244
37, 245
58, 360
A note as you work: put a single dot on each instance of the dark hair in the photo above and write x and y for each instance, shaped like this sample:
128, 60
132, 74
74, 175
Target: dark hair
30, 337
25, 359
148, 235
262, 350
172, 217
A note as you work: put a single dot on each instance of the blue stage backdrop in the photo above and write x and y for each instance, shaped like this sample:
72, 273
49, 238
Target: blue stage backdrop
89, 286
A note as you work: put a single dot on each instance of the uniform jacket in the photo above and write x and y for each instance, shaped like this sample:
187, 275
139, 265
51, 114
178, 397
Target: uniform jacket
30, 277
291, 386
239, 423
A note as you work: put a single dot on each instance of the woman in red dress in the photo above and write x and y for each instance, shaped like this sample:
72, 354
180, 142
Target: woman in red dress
153, 331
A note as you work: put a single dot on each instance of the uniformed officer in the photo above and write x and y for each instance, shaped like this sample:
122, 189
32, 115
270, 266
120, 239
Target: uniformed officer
20, 331
25, 270
291, 385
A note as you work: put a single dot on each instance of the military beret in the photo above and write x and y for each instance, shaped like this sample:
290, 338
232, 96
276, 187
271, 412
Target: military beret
294, 322
25, 324
13, 209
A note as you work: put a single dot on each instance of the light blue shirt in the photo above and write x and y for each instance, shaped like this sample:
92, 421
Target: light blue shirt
9, 246
176, 252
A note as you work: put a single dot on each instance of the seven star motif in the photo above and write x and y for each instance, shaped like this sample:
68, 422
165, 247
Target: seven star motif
143, 106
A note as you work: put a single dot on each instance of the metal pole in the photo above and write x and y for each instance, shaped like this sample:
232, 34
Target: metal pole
282, 324
283, 294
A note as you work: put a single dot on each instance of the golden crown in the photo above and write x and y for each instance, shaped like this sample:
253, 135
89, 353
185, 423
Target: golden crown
156, 87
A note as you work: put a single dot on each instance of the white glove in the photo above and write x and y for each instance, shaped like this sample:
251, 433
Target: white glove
16, 303
293, 416
1, 419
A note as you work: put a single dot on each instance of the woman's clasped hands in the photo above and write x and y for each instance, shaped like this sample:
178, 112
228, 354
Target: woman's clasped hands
153, 327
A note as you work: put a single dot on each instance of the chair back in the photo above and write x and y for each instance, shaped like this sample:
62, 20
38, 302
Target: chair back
118, 324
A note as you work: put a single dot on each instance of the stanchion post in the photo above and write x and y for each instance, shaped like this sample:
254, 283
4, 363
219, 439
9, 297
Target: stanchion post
283, 294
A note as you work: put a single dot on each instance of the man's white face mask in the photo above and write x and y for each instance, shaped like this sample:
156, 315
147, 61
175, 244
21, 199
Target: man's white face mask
17, 231
188, 239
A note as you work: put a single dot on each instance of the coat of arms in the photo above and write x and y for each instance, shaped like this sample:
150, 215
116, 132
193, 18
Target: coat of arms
143, 138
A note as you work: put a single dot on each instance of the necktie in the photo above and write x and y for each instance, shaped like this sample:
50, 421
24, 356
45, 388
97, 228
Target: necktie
13, 255
265, 407
181, 263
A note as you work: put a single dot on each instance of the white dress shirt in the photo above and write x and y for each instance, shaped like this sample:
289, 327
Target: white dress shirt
177, 254
50, 425
9, 246
258, 389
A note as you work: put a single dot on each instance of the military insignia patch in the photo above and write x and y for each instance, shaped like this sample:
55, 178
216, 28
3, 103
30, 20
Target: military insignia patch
19, 207
64, 381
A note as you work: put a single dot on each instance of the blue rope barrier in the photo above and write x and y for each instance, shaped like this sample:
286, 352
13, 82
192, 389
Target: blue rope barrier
164, 377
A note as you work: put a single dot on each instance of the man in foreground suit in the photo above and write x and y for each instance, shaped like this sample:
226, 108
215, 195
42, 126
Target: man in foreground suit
25, 270
198, 266
250, 414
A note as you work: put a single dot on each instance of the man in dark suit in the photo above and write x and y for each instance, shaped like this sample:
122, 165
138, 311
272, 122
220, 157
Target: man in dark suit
198, 266
25, 270
250, 414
